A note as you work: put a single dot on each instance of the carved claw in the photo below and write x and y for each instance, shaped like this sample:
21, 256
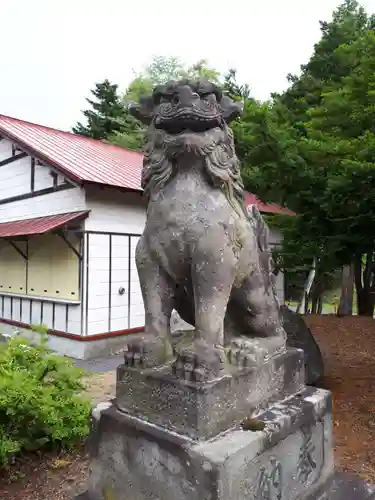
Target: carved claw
199, 362
147, 352
247, 353
135, 354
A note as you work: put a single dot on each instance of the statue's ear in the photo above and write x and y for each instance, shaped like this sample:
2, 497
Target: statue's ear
144, 111
230, 110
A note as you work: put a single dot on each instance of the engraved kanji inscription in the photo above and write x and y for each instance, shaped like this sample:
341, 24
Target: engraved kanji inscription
270, 482
306, 462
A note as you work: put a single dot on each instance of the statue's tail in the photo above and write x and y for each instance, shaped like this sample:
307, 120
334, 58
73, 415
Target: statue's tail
262, 232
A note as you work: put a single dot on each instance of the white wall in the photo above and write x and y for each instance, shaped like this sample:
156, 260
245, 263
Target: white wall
275, 239
116, 220
69, 200
15, 177
110, 270
64, 317
114, 211
15, 180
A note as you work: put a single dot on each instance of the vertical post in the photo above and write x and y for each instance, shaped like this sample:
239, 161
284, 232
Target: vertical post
82, 250
110, 283
87, 283
129, 278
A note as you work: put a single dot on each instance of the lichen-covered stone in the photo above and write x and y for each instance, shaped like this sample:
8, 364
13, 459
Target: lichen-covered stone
204, 409
201, 253
220, 412
290, 459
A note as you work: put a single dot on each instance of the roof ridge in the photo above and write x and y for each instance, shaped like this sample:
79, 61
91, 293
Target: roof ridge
86, 160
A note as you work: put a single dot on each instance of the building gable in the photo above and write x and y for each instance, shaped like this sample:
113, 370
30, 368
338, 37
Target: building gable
23, 176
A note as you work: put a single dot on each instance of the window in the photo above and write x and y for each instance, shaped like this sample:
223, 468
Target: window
52, 267
13, 266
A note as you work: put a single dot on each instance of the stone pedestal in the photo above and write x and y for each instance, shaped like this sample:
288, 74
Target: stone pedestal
203, 410
249, 435
291, 458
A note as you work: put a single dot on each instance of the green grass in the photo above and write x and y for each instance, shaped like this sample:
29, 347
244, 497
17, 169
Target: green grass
328, 306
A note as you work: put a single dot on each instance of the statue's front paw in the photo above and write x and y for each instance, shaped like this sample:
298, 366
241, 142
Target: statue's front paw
199, 362
147, 352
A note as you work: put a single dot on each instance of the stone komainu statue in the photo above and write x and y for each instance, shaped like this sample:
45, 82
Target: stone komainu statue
201, 253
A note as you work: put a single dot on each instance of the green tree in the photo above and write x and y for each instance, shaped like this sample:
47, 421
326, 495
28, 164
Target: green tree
109, 119
106, 114
325, 67
341, 129
302, 178
201, 70
233, 88
267, 148
160, 70
131, 133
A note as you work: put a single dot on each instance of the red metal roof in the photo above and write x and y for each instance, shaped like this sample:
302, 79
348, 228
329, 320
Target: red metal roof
81, 158
88, 160
39, 225
272, 208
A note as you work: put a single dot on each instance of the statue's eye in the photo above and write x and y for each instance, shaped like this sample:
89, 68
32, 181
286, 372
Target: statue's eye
208, 98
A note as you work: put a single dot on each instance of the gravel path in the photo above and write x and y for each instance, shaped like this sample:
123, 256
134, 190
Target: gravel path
100, 365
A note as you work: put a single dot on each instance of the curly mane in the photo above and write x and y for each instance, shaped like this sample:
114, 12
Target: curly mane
216, 146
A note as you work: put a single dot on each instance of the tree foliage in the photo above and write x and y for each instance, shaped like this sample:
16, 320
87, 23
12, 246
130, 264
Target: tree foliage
160, 70
321, 128
342, 129
233, 89
107, 110
325, 67
310, 148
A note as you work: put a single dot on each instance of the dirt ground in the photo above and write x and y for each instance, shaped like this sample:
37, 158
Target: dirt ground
348, 347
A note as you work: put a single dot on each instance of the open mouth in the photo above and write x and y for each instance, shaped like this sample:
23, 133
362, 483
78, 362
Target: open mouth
191, 123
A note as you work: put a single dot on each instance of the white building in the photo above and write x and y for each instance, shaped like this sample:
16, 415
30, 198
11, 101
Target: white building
71, 213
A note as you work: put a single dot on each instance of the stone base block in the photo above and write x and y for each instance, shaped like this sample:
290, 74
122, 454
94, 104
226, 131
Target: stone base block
203, 410
347, 487
290, 459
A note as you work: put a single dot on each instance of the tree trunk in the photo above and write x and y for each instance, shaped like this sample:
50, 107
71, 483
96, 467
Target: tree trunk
303, 303
316, 296
365, 285
306, 304
347, 290
320, 305
365, 303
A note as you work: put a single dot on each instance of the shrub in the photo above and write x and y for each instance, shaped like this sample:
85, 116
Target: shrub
40, 399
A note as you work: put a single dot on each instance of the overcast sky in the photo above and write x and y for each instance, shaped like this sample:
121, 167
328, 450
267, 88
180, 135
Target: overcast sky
53, 51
